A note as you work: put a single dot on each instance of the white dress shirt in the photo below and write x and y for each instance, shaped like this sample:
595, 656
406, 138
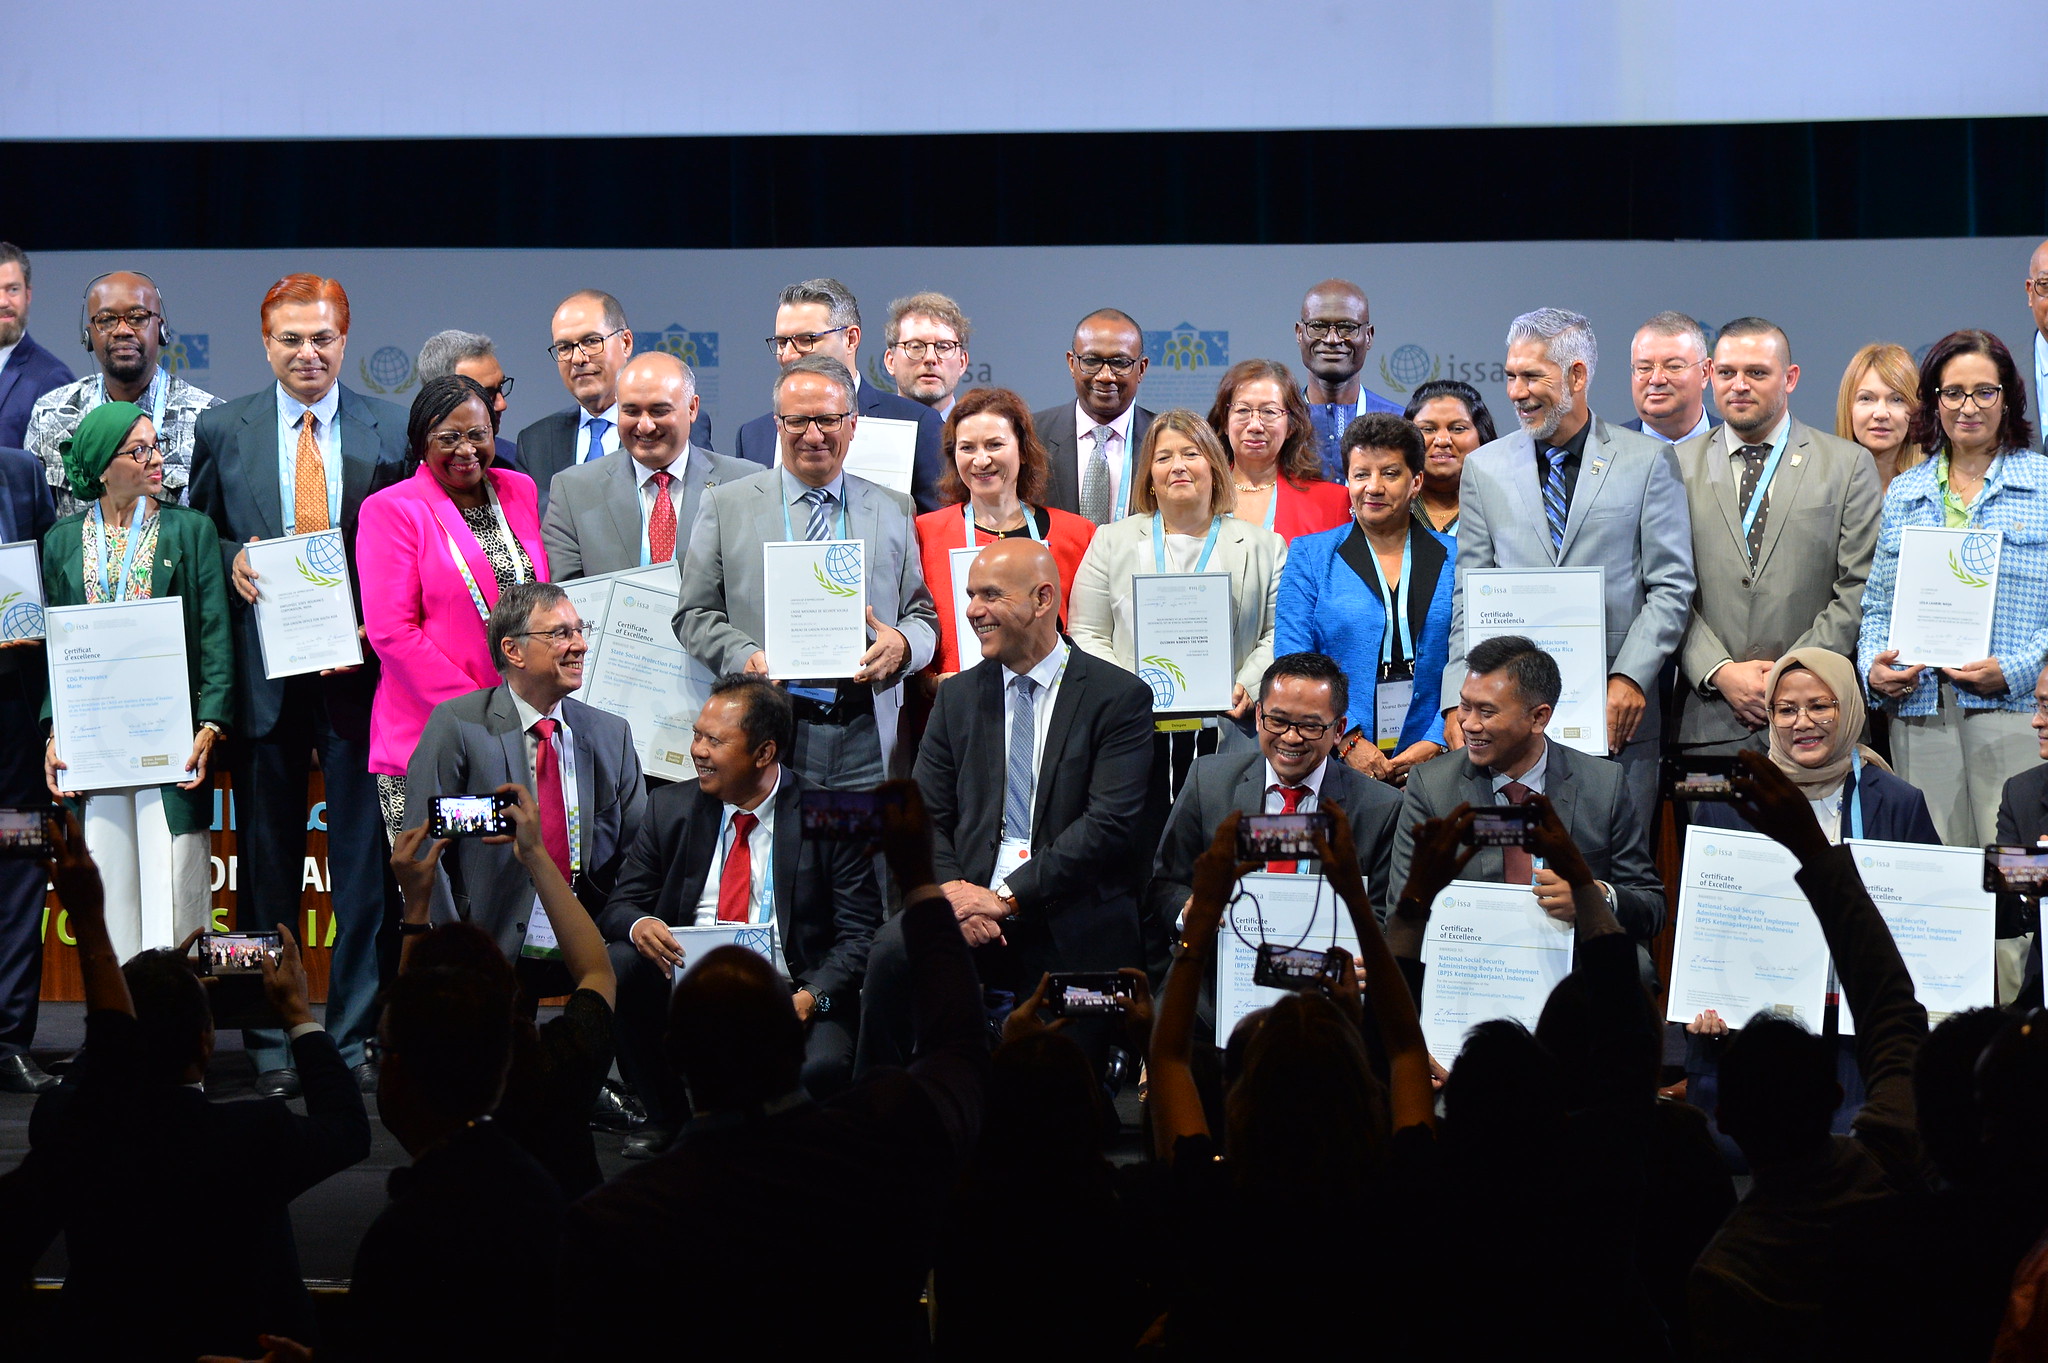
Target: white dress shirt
1700, 427
1049, 672
1532, 778
6, 354
326, 435
1310, 802
760, 847
608, 442
1119, 441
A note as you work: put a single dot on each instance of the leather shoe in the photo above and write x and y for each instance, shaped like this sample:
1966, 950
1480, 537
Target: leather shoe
282, 1083
647, 1142
366, 1076
20, 1074
616, 1109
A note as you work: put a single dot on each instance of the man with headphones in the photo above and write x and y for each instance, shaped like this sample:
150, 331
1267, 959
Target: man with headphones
121, 321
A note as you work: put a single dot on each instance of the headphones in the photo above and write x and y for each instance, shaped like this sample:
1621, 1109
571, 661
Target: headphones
163, 322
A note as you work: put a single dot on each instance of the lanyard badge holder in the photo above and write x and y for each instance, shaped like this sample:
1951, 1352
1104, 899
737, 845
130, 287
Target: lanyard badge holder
1394, 690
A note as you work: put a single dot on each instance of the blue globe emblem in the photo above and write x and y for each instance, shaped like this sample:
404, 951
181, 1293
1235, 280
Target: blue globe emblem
1161, 682
390, 367
756, 940
842, 563
1410, 364
23, 620
1980, 553
324, 554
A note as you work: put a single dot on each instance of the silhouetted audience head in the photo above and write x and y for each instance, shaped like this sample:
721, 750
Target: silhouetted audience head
464, 946
2012, 1089
1504, 1091
1595, 1065
733, 1034
1945, 1091
446, 1042
1045, 1106
174, 1022
1304, 1109
1778, 1089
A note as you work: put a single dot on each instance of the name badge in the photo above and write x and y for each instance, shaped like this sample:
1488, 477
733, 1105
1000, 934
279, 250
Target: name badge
1391, 698
1013, 853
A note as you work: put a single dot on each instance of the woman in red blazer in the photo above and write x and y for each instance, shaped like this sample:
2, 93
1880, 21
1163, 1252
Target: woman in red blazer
432, 553
991, 480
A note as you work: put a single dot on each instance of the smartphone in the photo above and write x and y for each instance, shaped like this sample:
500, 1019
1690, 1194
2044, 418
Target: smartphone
1085, 995
238, 953
471, 816
1281, 837
1501, 826
1281, 967
2015, 870
1701, 776
24, 832
844, 815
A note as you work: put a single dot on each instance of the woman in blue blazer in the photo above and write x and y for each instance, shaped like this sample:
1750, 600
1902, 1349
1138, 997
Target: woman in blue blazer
1375, 594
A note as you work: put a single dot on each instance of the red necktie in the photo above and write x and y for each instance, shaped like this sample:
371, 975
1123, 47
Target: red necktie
1521, 869
661, 525
1290, 800
547, 778
736, 882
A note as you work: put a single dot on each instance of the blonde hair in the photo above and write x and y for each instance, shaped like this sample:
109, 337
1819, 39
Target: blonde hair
1896, 370
1197, 431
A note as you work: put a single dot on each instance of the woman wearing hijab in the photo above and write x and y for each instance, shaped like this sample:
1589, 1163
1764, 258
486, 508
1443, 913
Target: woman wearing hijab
151, 842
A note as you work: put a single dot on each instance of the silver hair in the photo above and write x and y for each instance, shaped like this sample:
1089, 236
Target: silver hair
1679, 324
689, 375
845, 308
446, 349
1567, 336
822, 365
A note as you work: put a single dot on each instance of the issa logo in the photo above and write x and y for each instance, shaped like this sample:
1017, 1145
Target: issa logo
388, 370
184, 351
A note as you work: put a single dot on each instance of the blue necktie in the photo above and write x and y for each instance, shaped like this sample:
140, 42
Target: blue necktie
820, 527
598, 426
1554, 508
1017, 799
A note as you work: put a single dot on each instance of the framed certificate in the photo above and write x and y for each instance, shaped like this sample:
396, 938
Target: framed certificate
816, 599
758, 938
1944, 595
305, 609
592, 597
1942, 919
1747, 938
1181, 628
1492, 952
120, 697
21, 591
1564, 610
1279, 909
964, 641
884, 451
638, 671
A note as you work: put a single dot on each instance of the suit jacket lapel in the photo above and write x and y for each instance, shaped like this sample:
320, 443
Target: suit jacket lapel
1721, 475
1595, 462
1063, 711
259, 451
1525, 479
1559, 787
503, 718
700, 844
17, 364
1427, 561
359, 447
1249, 795
622, 500
1784, 489
789, 846
449, 518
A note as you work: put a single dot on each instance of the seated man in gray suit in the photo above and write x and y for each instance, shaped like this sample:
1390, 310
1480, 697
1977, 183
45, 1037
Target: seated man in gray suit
1568, 490
613, 514
845, 729
579, 763
1504, 703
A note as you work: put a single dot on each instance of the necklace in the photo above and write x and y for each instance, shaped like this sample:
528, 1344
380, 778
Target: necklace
1256, 487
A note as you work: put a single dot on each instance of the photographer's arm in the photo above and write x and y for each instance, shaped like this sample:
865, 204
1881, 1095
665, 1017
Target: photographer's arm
84, 900
583, 952
1176, 1104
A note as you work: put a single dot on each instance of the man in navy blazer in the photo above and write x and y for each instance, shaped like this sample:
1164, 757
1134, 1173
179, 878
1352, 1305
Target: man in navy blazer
241, 453
26, 511
27, 371
822, 317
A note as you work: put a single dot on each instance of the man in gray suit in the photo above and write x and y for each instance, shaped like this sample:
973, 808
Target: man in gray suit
1505, 700
1667, 378
1784, 521
1091, 444
846, 729
613, 514
578, 761
1568, 490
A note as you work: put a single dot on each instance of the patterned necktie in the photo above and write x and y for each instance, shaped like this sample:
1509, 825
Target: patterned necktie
661, 522
1753, 457
736, 882
1521, 867
595, 449
1023, 726
820, 527
547, 780
1290, 801
1554, 506
309, 483
1095, 478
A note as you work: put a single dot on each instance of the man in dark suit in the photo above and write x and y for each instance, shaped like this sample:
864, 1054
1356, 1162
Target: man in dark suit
822, 317
26, 511
716, 851
589, 343
27, 371
1510, 689
2023, 822
1092, 443
1042, 863
514, 734
472, 355
296, 457
1667, 377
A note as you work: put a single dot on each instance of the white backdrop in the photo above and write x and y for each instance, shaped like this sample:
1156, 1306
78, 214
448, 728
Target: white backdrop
1439, 309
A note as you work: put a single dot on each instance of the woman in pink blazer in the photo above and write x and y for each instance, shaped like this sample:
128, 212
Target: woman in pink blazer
433, 552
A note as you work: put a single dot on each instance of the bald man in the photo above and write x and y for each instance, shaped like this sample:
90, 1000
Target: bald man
1091, 444
611, 514
1335, 335
1034, 770
2037, 299
124, 330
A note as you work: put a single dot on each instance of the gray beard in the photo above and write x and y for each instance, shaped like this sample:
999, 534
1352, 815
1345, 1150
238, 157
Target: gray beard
1549, 426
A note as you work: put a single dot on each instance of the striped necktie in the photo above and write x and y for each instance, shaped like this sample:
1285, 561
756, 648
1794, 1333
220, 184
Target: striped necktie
1554, 506
1023, 729
820, 527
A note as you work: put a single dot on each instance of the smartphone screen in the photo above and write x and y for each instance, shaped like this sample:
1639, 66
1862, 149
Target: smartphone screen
1700, 777
1280, 837
1501, 826
238, 953
470, 816
2015, 870
1082, 995
1284, 967
24, 835
843, 815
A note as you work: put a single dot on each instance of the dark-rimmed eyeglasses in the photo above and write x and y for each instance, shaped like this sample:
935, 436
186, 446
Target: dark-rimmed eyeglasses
105, 322
1323, 331
826, 422
1954, 398
591, 345
142, 454
1090, 364
915, 350
1278, 725
802, 342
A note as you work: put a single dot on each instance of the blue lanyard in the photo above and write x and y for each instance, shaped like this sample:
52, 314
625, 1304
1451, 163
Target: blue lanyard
790, 534
1855, 794
1273, 505
1159, 543
107, 592
1397, 609
967, 515
1763, 482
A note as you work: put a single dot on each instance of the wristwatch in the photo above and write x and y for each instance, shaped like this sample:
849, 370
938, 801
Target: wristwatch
821, 1004
1008, 898
218, 732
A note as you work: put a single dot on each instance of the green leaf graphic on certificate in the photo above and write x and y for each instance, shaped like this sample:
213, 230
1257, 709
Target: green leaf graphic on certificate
836, 588
1963, 575
317, 579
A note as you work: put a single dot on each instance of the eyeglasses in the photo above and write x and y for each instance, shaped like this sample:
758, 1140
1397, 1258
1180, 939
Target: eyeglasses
559, 635
502, 388
142, 454
105, 322
1310, 729
1090, 364
2041, 706
450, 441
1322, 331
826, 422
591, 345
292, 342
1821, 712
915, 350
1953, 398
802, 342
2038, 284
1269, 415
1670, 369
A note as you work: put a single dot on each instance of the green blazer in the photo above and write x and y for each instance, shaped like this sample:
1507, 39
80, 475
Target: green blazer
188, 566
